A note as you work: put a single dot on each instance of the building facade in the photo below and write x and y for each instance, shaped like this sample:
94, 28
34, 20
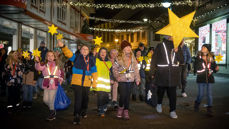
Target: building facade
24, 23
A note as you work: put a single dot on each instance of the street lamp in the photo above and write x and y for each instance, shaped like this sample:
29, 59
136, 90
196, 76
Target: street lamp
166, 4
116, 40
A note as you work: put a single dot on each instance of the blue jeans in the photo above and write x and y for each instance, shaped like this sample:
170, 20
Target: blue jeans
27, 93
201, 87
38, 85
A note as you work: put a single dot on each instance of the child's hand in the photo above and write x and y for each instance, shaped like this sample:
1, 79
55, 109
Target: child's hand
60, 44
217, 68
37, 59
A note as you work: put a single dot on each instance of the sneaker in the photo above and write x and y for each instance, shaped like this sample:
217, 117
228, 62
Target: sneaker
76, 120
173, 115
159, 108
184, 95
126, 114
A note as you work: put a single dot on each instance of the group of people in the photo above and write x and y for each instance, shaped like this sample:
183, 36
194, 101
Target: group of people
121, 73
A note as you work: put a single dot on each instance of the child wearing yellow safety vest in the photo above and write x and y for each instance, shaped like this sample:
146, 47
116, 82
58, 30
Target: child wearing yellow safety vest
103, 86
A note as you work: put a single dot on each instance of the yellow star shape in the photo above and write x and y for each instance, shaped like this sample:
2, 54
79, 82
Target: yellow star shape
218, 58
98, 40
178, 28
25, 54
52, 29
140, 59
59, 36
36, 53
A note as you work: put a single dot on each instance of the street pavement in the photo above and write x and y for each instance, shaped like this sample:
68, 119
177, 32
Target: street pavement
142, 116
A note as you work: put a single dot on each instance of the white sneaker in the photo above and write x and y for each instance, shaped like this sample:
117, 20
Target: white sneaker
159, 108
173, 115
184, 95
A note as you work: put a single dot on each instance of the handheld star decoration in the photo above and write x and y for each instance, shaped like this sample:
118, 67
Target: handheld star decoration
98, 40
140, 59
59, 36
178, 28
25, 54
218, 58
36, 53
52, 29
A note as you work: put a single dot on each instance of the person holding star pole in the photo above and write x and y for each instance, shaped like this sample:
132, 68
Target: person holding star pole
52, 77
84, 76
205, 67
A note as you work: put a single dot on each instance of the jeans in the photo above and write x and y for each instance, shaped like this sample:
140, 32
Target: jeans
140, 90
171, 93
201, 87
38, 85
27, 93
102, 101
124, 89
183, 77
49, 98
81, 99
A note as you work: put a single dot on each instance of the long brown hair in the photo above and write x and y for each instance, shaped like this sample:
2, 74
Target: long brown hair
122, 57
55, 58
10, 59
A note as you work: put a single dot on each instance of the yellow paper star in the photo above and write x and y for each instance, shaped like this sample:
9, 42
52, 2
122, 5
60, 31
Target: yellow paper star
52, 29
98, 40
178, 28
218, 58
25, 54
36, 53
59, 36
140, 59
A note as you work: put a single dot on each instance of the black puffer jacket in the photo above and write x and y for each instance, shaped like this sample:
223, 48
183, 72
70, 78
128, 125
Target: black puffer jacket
166, 73
205, 70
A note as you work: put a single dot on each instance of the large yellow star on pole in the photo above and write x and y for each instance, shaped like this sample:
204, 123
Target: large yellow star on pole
59, 36
98, 40
25, 54
36, 53
218, 58
52, 29
178, 28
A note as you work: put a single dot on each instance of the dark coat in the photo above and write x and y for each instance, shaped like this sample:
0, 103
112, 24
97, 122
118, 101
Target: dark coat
205, 70
166, 76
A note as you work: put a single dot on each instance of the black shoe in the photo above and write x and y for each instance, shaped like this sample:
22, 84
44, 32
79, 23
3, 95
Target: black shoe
209, 111
196, 106
52, 115
83, 114
141, 98
76, 120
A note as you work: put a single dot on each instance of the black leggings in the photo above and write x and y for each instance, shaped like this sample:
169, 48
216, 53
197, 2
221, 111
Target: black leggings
124, 89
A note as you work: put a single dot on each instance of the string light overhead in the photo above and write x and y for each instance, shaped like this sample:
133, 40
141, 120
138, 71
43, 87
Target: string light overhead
115, 30
116, 20
128, 6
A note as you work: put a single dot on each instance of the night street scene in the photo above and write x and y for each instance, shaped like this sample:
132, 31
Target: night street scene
114, 64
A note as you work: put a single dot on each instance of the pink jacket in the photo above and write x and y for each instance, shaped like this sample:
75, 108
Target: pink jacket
47, 81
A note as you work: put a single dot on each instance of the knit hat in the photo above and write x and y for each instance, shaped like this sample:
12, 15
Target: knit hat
124, 44
208, 46
141, 44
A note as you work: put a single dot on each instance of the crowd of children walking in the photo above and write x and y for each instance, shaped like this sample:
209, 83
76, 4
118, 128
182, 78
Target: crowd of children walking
114, 76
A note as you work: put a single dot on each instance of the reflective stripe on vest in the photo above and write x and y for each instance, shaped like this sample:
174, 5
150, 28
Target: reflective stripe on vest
167, 58
51, 75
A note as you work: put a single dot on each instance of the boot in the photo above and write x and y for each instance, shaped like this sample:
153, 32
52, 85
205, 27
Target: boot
120, 112
126, 114
134, 97
76, 120
52, 115
209, 111
196, 106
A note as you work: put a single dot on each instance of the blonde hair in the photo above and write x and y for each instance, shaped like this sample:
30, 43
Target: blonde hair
210, 56
55, 58
10, 59
122, 57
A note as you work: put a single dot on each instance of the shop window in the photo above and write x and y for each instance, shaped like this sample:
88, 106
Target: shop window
128, 37
132, 37
34, 3
138, 36
42, 5
61, 10
143, 35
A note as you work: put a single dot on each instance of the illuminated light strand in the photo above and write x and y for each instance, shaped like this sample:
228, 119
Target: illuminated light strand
117, 21
128, 6
115, 30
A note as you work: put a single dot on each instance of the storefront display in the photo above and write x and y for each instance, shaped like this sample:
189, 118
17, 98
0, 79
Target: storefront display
204, 35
